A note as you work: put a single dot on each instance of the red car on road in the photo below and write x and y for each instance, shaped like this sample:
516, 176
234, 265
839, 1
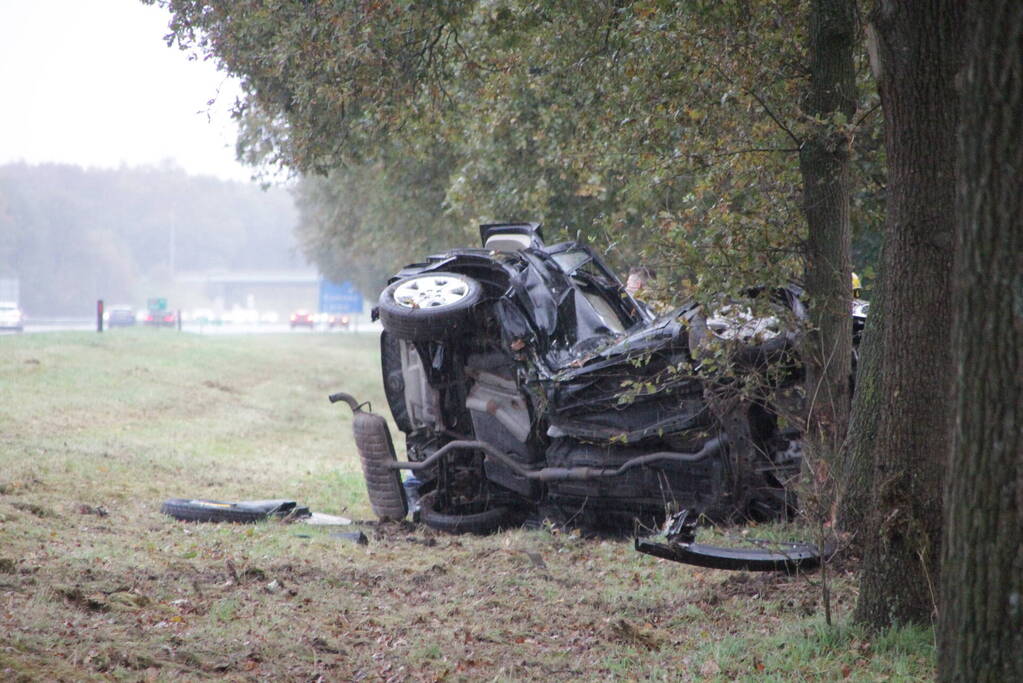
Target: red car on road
339, 320
302, 318
161, 318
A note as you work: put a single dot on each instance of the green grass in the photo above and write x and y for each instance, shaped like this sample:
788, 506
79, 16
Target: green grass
127, 414
122, 421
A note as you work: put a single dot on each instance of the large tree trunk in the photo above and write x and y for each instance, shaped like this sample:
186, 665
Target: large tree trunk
981, 625
917, 45
856, 473
824, 160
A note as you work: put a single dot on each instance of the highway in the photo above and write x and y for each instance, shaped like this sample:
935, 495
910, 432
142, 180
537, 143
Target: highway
40, 325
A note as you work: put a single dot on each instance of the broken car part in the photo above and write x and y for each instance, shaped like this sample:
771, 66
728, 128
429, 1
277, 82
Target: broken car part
245, 512
768, 556
529, 383
373, 440
354, 536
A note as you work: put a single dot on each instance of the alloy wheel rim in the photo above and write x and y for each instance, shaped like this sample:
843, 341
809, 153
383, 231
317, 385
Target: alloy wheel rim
431, 291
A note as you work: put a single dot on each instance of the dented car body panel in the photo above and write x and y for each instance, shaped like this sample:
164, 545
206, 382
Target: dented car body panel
591, 410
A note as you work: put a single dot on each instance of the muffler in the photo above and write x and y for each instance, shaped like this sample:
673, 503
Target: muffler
376, 451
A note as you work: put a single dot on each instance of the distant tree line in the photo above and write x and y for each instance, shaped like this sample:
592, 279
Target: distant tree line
74, 235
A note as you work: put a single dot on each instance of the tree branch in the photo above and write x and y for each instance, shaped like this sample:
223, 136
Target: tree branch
863, 117
777, 121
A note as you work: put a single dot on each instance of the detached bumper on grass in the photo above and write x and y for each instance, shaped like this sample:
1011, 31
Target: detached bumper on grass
243, 512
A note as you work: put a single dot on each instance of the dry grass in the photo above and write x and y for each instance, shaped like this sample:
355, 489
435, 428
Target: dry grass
96, 584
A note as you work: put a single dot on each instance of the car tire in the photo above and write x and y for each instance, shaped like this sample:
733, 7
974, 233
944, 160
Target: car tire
429, 306
486, 522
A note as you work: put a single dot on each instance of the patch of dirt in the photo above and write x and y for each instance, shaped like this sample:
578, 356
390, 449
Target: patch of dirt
111, 658
219, 387
11, 487
32, 508
750, 585
322, 645
424, 578
645, 636
78, 597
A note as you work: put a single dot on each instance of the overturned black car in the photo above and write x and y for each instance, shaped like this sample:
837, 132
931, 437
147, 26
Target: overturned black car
529, 383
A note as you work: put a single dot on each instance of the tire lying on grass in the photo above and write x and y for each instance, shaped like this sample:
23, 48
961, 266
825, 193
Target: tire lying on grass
430, 306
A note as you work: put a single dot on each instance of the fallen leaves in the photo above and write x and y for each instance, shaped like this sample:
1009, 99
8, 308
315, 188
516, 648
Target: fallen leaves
710, 667
646, 635
119, 599
32, 508
84, 509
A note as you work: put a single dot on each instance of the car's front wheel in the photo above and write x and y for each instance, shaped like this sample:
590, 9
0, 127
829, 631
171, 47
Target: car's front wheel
430, 306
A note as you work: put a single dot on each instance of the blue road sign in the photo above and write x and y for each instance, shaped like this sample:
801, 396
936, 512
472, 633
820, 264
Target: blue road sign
339, 298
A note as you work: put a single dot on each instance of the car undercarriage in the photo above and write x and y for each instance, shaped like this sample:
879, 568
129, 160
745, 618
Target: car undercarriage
530, 385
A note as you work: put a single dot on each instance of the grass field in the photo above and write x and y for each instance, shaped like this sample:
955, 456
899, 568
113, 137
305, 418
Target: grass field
95, 584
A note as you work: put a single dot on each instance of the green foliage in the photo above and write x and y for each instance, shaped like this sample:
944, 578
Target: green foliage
323, 80
665, 131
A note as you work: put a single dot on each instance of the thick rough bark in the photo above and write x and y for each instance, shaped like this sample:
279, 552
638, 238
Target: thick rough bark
917, 45
981, 625
824, 161
856, 473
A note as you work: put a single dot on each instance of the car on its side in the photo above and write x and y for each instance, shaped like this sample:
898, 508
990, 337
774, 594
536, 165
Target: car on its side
120, 316
11, 317
528, 382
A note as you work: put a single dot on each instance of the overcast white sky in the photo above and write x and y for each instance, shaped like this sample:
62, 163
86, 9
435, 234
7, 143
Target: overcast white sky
92, 83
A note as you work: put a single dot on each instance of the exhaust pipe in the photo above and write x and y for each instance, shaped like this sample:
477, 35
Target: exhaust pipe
376, 451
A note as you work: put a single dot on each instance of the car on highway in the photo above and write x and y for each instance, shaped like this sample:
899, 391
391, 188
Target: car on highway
340, 321
161, 318
11, 317
120, 316
302, 318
